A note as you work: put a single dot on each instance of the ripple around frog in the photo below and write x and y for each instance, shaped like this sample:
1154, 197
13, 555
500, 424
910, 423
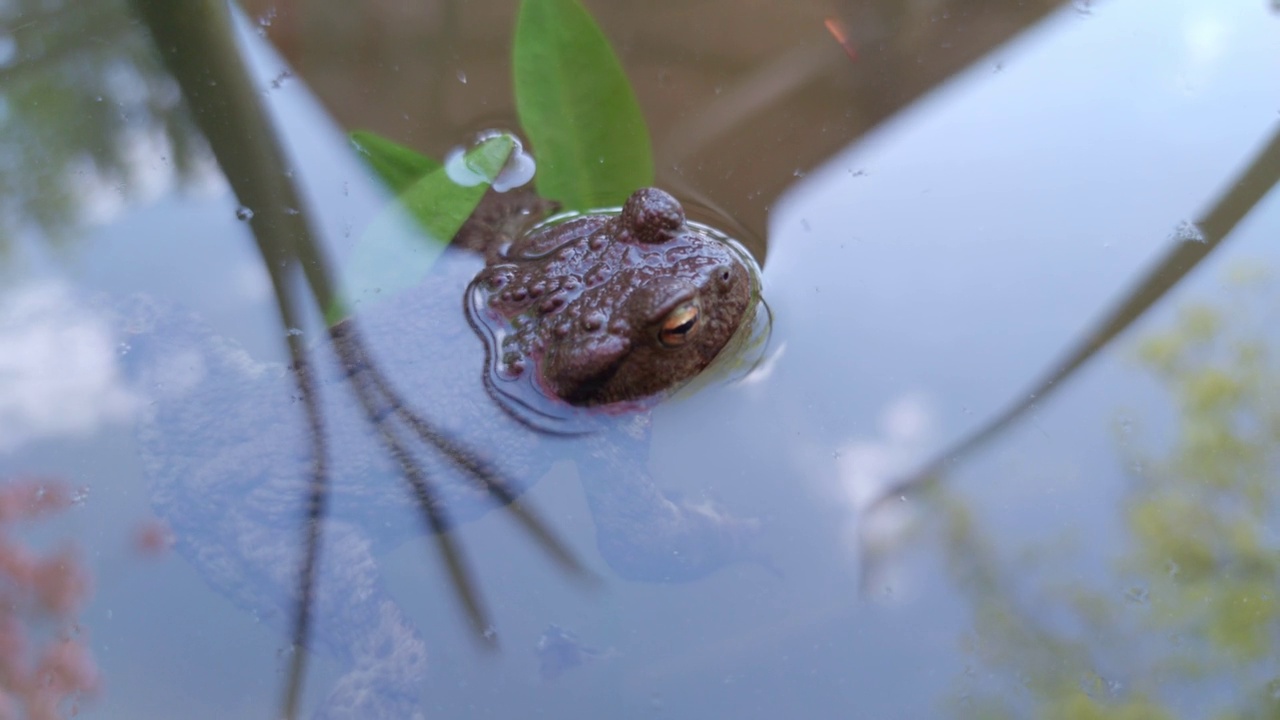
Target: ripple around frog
524, 400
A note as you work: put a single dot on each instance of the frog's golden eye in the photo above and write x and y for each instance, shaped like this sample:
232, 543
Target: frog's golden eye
680, 324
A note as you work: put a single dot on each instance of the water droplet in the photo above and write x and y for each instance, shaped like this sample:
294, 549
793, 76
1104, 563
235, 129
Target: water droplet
1137, 595
80, 496
490, 633
1187, 231
798, 172
462, 77
293, 332
244, 213
280, 79
518, 170
291, 211
123, 349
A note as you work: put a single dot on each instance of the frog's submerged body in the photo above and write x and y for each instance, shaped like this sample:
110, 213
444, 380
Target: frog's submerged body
598, 311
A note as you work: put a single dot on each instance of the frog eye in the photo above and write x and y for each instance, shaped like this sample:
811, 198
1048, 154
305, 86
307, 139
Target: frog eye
680, 324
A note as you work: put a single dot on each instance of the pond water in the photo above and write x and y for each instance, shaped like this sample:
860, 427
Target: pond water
943, 215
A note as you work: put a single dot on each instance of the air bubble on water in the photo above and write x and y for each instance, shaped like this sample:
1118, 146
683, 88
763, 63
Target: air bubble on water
1187, 231
462, 77
244, 213
518, 170
80, 496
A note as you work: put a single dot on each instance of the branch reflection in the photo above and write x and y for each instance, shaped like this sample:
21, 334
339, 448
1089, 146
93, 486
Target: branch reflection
198, 45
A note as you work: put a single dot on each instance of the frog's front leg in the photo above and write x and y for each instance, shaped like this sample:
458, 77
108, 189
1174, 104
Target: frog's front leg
643, 533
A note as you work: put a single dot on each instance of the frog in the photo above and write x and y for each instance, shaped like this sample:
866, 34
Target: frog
536, 338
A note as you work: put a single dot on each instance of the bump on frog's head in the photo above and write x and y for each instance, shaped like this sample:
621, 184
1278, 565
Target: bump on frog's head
652, 216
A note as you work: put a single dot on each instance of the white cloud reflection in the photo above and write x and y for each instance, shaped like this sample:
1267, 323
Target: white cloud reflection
867, 466
59, 369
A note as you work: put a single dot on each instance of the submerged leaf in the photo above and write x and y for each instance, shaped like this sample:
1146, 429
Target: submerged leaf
577, 108
398, 166
404, 240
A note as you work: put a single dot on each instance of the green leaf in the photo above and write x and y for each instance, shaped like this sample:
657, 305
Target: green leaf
398, 248
398, 166
577, 108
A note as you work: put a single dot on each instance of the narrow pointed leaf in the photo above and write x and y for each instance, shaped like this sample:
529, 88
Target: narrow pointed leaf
577, 108
398, 166
404, 240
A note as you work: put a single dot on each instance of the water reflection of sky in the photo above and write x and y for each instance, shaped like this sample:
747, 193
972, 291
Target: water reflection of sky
961, 245
919, 281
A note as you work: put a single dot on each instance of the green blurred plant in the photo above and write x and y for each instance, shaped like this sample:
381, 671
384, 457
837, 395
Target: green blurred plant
1201, 562
73, 114
580, 115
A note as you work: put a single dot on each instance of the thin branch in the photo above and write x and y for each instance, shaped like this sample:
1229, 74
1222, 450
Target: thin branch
1244, 193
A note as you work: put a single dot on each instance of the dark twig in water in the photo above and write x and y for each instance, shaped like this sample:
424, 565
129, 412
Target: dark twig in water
1188, 250
198, 45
